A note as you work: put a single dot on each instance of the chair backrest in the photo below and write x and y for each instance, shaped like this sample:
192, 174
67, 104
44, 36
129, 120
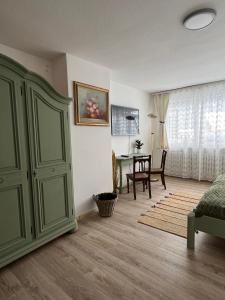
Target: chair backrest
142, 164
163, 160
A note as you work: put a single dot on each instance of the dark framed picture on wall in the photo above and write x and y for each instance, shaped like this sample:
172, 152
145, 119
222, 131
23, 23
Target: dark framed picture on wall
91, 105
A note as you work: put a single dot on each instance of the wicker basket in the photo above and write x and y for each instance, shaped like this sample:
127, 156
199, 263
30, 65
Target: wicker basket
106, 203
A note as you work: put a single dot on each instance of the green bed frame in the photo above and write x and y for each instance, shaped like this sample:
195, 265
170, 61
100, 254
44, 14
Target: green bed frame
206, 224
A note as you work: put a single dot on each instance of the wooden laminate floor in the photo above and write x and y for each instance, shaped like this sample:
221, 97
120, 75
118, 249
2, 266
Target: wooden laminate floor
118, 258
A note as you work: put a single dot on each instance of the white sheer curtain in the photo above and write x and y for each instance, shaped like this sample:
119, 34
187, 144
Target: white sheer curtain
196, 132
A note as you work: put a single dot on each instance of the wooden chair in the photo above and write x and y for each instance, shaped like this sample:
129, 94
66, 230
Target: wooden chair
141, 172
161, 169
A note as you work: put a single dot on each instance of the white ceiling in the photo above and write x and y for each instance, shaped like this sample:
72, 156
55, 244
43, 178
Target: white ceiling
142, 41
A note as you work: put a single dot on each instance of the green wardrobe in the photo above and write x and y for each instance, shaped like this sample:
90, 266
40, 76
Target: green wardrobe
36, 194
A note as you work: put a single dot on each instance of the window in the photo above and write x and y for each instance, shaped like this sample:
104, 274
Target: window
196, 131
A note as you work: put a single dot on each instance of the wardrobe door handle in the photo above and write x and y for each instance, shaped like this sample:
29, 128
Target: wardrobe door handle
34, 173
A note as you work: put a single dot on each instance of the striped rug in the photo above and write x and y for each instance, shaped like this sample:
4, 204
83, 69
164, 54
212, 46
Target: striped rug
170, 213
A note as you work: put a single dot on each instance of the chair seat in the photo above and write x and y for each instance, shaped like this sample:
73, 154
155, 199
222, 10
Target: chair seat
138, 176
156, 171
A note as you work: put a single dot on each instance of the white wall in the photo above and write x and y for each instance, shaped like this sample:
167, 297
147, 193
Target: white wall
59, 74
91, 145
33, 63
127, 96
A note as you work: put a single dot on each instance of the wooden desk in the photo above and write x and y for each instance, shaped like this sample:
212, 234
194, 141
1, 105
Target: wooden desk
121, 160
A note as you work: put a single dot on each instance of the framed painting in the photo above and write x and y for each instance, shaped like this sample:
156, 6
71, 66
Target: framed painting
91, 105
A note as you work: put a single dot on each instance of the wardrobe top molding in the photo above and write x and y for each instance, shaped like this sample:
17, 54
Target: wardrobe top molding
32, 76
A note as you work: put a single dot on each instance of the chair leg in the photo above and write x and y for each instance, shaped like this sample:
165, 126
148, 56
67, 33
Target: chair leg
149, 189
128, 188
134, 189
163, 180
144, 182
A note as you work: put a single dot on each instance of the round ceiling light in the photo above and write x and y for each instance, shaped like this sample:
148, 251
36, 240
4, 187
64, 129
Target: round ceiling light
199, 19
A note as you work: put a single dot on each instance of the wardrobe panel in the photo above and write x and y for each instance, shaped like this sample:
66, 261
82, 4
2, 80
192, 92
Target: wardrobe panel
12, 218
49, 123
8, 126
54, 206
51, 163
15, 218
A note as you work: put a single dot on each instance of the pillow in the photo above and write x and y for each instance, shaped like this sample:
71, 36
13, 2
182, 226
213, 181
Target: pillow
220, 180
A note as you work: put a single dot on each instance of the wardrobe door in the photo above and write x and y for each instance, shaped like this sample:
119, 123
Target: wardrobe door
15, 225
51, 166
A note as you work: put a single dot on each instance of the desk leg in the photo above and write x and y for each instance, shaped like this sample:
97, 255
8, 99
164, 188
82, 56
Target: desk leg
121, 178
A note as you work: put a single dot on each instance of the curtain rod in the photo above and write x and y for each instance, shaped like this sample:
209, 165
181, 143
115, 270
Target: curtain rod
187, 86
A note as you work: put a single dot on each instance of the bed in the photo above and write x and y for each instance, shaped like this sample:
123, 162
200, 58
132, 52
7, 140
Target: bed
209, 215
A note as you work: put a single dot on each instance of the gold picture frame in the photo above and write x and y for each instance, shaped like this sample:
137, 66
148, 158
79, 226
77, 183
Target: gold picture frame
91, 105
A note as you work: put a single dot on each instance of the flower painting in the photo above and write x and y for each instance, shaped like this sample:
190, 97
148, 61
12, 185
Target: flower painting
91, 105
